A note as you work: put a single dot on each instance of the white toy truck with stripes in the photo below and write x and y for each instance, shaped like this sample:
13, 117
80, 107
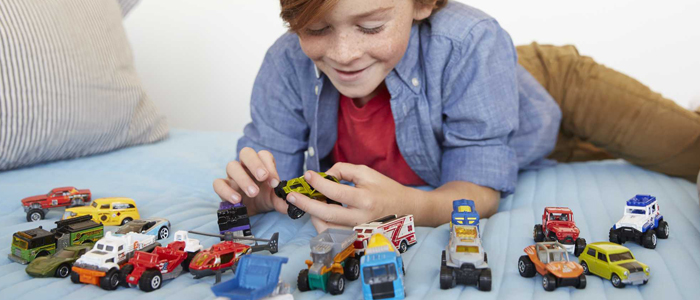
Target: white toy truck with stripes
398, 229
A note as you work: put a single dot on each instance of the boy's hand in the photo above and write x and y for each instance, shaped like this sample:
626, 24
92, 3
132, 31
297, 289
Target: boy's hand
252, 181
373, 196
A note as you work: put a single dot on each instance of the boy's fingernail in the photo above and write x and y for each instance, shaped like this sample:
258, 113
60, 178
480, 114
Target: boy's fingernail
291, 199
307, 175
261, 173
252, 190
235, 198
274, 182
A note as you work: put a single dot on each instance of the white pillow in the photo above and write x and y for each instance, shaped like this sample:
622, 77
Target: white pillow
68, 87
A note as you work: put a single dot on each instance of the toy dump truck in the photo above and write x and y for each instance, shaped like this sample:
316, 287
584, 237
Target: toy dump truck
257, 277
334, 260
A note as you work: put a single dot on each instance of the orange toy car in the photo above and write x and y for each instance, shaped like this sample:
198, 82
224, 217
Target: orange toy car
551, 260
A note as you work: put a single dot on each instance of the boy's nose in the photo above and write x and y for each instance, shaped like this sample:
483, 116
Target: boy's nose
345, 51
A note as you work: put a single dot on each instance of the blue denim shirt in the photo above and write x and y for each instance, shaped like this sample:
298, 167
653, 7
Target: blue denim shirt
464, 108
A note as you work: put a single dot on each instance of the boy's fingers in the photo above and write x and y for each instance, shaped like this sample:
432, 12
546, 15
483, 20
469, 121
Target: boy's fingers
251, 160
347, 172
335, 191
225, 191
238, 175
328, 212
269, 162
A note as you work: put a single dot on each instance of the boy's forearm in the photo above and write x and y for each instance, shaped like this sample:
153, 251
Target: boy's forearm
433, 208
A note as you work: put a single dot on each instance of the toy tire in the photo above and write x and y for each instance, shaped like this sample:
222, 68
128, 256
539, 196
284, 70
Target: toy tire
403, 247
111, 280
580, 245
614, 238
163, 233
352, 269
581, 282
279, 190
35, 214
663, 230
444, 259
63, 271
336, 284
126, 220
188, 260
74, 277
549, 282
484, 282
448, 279
525, 267
123, 273
616, 281
294, 212
649, 239
150, 280
538, 234
486, 258
584, 265
303, 280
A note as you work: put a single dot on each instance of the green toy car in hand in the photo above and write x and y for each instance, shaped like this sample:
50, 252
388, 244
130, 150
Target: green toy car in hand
300, 186
59, 264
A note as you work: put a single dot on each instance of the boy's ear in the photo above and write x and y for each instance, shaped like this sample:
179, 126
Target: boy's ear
422, 11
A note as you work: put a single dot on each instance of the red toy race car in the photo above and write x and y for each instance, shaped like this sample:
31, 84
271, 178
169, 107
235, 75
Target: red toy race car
36, 207
148, 270
558, 225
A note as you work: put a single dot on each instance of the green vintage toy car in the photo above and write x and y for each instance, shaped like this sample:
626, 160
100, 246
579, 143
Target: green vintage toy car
59, 264
613, 262
300, 186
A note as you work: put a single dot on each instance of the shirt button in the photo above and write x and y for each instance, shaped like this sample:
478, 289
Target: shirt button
415, 81
316, 90
311, 151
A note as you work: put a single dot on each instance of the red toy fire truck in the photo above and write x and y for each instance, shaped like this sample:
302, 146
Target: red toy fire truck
38, 206
148, 270
398, 229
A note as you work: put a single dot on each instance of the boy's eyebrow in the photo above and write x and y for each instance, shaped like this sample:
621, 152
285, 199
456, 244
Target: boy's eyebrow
372, 12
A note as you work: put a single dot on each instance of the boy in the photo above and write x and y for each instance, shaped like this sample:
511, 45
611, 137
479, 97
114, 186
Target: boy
401, 93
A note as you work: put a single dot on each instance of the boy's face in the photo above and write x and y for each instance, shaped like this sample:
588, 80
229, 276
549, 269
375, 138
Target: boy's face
359, 42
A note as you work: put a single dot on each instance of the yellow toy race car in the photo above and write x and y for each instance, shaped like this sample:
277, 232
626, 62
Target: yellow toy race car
107, 211
300, 186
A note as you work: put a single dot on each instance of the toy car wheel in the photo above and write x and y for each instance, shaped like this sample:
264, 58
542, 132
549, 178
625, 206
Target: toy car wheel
111, 280
126, 220
486, 257
549, 282
188, 260
352, 269
294, 212
279, 190
403, 247
150, 280
526, 267
581, 282
63, 271
484, 282
448, 279
163, 233
613, 237
616, 281
35, 214
586, 271
74, 277
444, 259
663, 230
538, 234
649, 239
123, 273
336, 284
580, 245
303, 280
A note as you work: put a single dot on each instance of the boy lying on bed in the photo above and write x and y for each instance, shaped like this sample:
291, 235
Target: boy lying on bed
401, 93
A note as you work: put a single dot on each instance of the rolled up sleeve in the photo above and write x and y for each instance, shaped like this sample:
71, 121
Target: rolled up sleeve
480, 111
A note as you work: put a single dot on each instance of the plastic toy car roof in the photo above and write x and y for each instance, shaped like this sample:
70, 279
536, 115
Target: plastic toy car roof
641, 200
558, 210
609, 248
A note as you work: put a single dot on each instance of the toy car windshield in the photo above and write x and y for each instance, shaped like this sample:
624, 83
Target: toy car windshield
468, 249
465, 231
379, 274
635, 211
620, 256
129, 227
65, 254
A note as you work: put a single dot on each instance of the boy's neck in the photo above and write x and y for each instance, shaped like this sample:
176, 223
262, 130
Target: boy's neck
362, 101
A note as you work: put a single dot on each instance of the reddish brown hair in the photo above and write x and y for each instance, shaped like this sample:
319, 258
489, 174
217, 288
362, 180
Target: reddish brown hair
300, 13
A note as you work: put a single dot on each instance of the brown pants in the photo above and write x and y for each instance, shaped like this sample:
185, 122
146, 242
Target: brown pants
606, 114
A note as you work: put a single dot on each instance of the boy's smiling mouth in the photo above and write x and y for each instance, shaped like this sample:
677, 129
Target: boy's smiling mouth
349, 75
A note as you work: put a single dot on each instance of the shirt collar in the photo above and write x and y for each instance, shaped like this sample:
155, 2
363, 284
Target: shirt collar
409, 68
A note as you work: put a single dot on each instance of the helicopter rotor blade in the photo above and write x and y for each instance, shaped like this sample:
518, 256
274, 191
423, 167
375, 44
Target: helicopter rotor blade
206, 234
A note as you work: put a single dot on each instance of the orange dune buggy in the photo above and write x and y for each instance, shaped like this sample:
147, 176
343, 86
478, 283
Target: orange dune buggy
551, 260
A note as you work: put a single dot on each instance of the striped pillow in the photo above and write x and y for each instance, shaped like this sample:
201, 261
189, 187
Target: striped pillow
68, 87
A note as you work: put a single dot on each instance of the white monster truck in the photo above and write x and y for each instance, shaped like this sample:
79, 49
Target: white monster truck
642, 222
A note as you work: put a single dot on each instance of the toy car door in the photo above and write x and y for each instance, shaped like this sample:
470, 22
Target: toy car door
103, 214
603, 267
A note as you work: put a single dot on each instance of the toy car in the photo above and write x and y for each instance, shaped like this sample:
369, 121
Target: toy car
256, 277
30, 244
558, 225
380, 268
613, 262
551, 260
225, 255
192, 247
334, 261
642, 222
59, 264
101, 265
400, 230
107, 211
37, 207
234, 218
148, 270
300, 185
154, 226
464, 260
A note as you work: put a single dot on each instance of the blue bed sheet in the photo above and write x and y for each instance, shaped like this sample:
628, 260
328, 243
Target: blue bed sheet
172, 179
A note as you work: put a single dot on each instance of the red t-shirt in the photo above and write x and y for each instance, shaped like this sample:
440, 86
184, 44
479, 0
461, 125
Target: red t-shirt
367, 136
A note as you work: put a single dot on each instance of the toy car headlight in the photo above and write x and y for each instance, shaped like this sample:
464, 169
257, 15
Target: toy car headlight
646, 269
625, 273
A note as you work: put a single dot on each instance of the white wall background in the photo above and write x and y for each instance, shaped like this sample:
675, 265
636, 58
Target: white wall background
198, 58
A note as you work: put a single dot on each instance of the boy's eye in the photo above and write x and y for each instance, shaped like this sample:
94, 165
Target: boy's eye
372, 30
314, 32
